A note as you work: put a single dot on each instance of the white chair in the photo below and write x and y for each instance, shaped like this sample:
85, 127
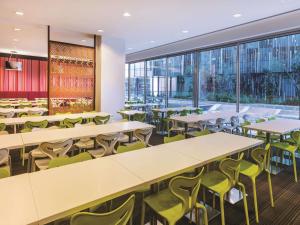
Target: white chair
107, 142
35, 112
234, 125
9, 114
85, 143
218, 126
143, 135
52, 150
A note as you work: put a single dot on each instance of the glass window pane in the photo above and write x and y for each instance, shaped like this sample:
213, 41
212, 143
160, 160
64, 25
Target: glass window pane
126, 82
137, 82
270, 76
156, 81
217, 78
181, 80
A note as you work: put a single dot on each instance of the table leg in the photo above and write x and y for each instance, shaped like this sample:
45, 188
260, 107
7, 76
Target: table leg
186, 127
15, 128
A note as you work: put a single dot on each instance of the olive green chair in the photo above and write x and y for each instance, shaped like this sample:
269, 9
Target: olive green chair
184, 112
198, 111
179, 199
132, 147
29, 125
4, 172
2, 126
119, 216
99, 120
141, 117
124, 116
223, 180
57, 162
143, 135
245, 130
252, 170
199, 133
291, 149
178, 137
70, 123
5, 163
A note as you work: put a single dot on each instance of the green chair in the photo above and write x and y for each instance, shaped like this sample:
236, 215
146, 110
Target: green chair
25, 105
178, 137
124, 116
101, 119
199, 133
156, 120
5, 163
70, 123
29, 125
4, 172
223, 180
272, 118
252, 170
141, 117
198, 111
57, 162
132, 147
2, 126
291, 149
245, 130
119, 216
184, 112
177, 200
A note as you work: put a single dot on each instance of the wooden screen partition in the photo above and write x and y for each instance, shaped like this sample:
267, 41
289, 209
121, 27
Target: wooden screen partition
71, 78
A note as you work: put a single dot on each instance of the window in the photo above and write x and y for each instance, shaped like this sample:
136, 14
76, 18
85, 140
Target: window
126, 82
156, 81
269, 76
181, 80
137, 85
217, 78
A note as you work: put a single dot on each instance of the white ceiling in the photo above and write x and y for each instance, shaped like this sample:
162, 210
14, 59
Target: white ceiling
161, 21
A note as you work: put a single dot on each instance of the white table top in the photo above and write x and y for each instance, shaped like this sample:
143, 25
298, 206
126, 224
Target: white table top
17, 203
177, 109
37, 137
141, 104
11, 141
204, 117
52, 118
33, 109
131, 112
62, 191
278, 126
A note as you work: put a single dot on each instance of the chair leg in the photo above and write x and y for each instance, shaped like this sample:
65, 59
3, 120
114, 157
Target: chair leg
255, 199
143, 213
205, 217
295, 167
270, 190
245, 203
222, 209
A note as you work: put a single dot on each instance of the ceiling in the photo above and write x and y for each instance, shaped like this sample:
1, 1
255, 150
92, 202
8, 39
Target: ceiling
152, 23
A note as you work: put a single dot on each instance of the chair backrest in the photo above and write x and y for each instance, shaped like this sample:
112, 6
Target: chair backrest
220, 122
296, 137
178, 137
69, 123
186, 189
4, 172
62, 161
35, 124
170, 113
57, 149
262, 157
4, 155
231, 168
2, 126
118, 216
244, 129
141, 117
261, 120
198, 111
234, 120
131, 147
202, 133
101, 119
34, 112
108, 142
143, 135
184, 112
246, 117
7, 114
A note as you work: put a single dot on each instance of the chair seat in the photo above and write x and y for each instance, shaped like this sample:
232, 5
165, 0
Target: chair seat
4, 171
249, 169
85, 143
26, 130
37, 153
97, 153
285, 146
216, 181
42, 164
165, 204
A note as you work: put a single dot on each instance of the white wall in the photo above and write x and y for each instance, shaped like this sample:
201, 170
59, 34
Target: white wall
112, 75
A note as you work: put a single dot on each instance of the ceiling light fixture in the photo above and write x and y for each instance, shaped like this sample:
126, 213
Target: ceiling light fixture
152, 41
19, 13
83, 40
185, 31
17, 29
126, 14
15, 40
100, 30
129, 48
237, 15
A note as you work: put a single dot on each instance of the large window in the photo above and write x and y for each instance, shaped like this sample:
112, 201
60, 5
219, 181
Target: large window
181, 80
156, 81
137, 85
262, 76
126, 82
269, 76
217, 78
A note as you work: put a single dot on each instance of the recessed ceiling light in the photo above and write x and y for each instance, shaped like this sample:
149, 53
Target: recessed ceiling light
152, 41
129, 48
185, 31
237, 15
83, 40
100, 31
19, 13
126, 14
15, 39
17, 29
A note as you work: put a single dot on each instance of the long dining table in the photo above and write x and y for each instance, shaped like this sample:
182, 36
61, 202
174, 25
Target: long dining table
45, 196
52, 118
